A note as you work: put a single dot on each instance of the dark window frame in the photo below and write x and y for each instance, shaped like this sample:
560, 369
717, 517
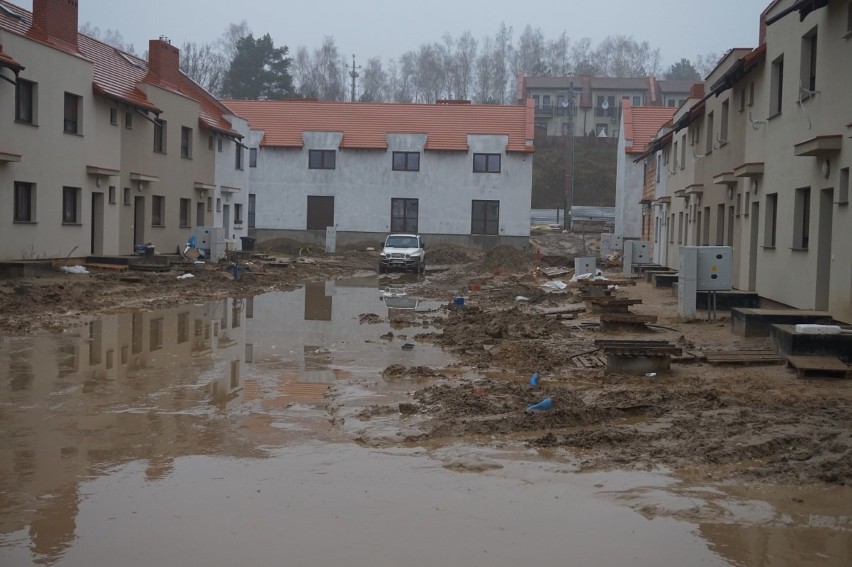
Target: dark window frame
71, 113
252, 157
185, 142
405, 161
185, 213
158, 211
238, 157
483, 223
24, 202
405, 215
322, 159
487, 163
71, 205
25, 101
159, 136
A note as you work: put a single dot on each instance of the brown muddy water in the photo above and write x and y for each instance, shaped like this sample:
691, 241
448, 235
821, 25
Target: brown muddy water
203, 435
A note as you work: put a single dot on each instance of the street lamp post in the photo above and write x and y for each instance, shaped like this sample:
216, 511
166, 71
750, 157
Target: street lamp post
569, 181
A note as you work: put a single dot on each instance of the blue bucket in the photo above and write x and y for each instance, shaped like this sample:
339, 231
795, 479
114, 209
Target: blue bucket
459, 301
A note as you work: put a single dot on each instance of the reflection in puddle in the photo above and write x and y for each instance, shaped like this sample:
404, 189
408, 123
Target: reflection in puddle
149, 422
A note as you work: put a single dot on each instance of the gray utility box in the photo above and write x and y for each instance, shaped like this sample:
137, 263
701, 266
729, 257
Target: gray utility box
636, 253
211, 241
610, 243
714, 268
584, 265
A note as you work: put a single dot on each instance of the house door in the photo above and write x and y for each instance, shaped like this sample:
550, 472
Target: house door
97, 236
752, 246
320, 212
138, 221
199, 213
823, 271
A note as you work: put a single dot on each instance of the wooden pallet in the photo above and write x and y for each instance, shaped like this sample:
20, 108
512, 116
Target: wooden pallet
594, 360
814, 366
110, 267
743, 357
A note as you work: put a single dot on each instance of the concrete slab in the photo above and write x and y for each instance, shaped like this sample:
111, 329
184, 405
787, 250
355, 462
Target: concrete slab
787, 342
754, 322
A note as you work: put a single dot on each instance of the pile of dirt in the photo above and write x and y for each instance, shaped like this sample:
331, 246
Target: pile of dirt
447, 255
506, 259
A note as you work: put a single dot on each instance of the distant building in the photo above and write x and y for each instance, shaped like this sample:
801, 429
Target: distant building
588, 105
455, 172
101, 150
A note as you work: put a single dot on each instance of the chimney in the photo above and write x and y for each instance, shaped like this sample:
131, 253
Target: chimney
164, 61
57, 19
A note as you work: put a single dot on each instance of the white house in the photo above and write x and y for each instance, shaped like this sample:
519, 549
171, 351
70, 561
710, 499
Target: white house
456, 172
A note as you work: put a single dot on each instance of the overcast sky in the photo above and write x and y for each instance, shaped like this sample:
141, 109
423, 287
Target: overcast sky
370, 28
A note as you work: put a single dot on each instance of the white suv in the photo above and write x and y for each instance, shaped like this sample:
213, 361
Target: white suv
403, 252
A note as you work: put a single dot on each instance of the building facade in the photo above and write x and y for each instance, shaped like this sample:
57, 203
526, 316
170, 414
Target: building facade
102, 151
455, 172
761, 162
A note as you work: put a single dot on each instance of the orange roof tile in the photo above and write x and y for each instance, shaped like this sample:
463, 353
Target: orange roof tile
642, 123
366, 125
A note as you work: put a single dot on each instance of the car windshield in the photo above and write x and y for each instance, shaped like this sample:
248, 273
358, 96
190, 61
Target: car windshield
402, 242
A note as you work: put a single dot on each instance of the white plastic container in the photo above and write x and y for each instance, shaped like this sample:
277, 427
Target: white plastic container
806, 329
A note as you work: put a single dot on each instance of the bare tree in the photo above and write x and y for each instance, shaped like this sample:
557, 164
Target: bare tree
204, 65
227, 42
321, 74
584, 60
465, 59
623, 56
705, 63
400, 80
108, 36
502, 57
530, 56
373, 81
557, 56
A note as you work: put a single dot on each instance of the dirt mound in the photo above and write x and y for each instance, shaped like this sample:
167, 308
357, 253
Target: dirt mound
446, 254
506, 258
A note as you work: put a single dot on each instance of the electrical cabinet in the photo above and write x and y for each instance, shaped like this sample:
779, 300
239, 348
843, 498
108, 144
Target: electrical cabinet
584, 265
715, 265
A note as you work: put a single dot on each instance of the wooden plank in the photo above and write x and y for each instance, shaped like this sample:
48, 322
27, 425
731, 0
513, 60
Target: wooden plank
818, 365
627, 318
744, 357
112, 267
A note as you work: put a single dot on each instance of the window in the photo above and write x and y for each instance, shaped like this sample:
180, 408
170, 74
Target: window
802, 218
111, 194
25, 101
696, 134
709, 145
720, 224
127, 196
404, 215
771, 220
199, 213
601, 129
238, 213
674, 156
680, 228
560, 105
843, 187
159, 136
776, 86
72, 114
637, 101
219, 144
210, 204
485, 217
218, 204
238, 156
486, 163
321, 159
186, 143
113, 116
128, 120
251, 209
809, 64
24, 202
70, 205
671, 229
723, 127
406, 161
158, 210
253, 157
671, 102
683, 152
545, 101
185, 205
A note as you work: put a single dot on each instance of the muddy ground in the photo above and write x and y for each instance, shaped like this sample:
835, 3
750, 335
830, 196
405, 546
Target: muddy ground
756, 423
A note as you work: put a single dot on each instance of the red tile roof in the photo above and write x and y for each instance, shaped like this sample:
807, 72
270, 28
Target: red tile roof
117, 75
6, 60
641, 124
366, 125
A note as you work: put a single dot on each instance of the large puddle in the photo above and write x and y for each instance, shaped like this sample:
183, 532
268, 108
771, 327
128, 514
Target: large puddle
201, 436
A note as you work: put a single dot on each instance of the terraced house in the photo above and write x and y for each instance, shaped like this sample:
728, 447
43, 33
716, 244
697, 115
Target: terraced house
453, 171
101, 151
761, 162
